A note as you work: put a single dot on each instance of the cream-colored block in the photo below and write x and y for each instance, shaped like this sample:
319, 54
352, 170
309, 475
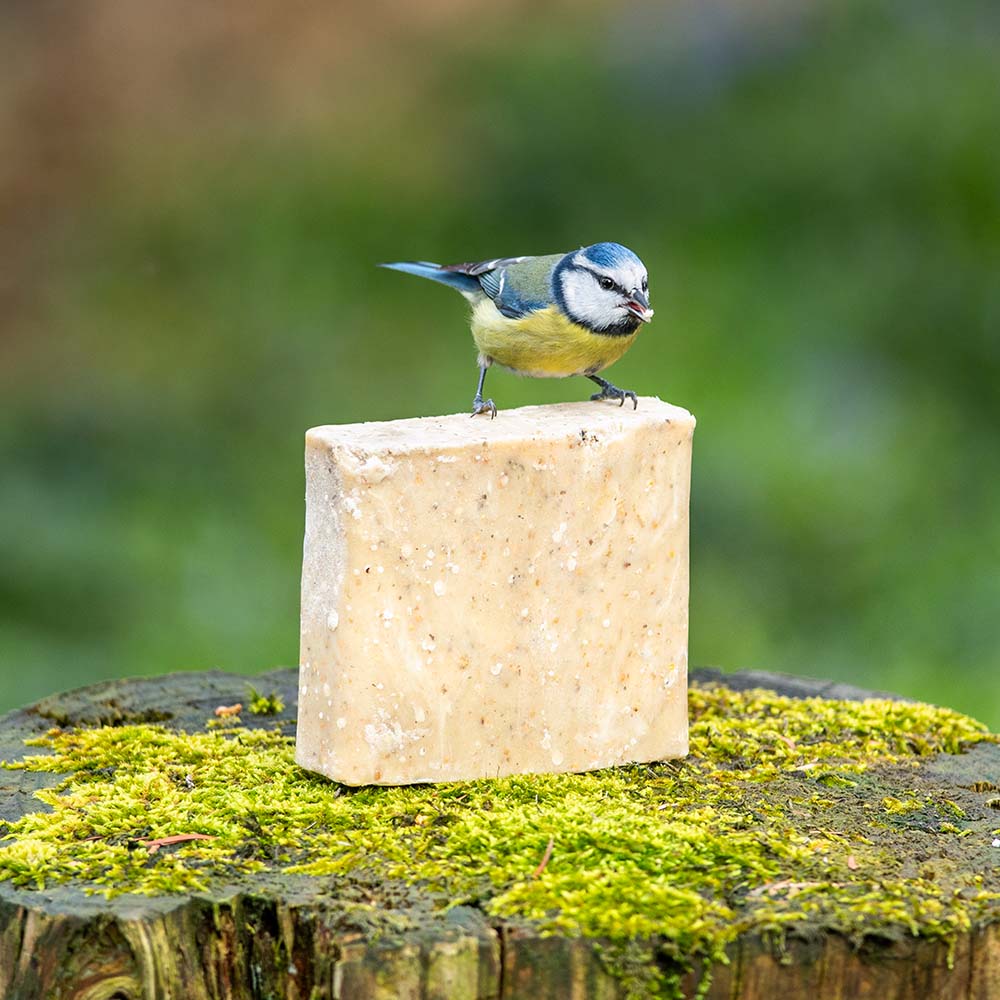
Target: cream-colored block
488, 597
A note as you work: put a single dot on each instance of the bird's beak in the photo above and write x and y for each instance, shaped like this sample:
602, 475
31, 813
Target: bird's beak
638, 305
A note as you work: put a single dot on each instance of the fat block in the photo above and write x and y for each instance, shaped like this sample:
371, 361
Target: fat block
491, 597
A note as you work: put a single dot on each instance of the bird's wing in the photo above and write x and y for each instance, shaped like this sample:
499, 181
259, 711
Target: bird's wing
517, 285
479, 267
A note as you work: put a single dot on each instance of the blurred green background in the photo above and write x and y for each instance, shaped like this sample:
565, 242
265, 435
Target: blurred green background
193, 199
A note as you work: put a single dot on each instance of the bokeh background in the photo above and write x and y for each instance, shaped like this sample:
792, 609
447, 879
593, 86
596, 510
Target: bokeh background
193, 199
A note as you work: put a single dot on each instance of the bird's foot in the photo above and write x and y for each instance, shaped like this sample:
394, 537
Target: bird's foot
480, 405
609, 391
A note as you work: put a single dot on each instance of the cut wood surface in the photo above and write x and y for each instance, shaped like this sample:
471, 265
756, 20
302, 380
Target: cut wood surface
272, 934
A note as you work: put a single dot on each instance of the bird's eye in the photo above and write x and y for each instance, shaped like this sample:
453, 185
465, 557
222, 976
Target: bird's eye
606, 283
645, 284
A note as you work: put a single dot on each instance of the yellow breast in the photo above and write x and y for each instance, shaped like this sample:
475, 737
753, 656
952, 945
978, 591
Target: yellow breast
544, 344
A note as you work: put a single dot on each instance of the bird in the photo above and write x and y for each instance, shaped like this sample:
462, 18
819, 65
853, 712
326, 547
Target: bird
550, 316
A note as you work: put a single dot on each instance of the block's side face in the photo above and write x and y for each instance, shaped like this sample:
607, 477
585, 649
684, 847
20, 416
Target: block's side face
323, 568
502, 607
659, 651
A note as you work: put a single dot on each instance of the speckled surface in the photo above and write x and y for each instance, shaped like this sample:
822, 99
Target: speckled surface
483, 598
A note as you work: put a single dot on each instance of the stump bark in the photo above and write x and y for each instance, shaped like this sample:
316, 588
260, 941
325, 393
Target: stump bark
272, 935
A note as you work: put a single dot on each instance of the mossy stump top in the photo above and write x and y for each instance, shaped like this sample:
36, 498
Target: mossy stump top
157, 841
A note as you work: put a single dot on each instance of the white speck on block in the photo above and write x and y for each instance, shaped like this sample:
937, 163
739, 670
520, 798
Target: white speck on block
385, 736
447, 458
406, 550
387, 615
418, 713
428, 645
321, 715
571, 563
496, 668
430, 554
504, 479
557, 758
606, 623
332, 621
439, 588
546, 739
374, 546
559, 533
379, 569
352, 507
524, 612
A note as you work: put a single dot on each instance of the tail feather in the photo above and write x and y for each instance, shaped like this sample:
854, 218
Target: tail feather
435, 272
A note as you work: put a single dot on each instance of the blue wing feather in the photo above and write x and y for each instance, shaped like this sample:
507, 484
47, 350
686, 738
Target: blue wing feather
508, 299
524, 285
458, 280
494, 279
517, 285
506, 296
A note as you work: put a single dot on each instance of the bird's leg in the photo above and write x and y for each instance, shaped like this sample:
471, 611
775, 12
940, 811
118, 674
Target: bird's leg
480, 405
609, 391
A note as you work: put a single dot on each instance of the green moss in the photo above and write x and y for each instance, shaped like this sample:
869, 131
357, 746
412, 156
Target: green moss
899, 806
786, 813
264, 704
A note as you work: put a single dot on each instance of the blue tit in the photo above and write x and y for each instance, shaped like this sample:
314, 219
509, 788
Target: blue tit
552, 316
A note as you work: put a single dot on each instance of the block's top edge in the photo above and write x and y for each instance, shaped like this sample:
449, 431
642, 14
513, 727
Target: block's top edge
550, 421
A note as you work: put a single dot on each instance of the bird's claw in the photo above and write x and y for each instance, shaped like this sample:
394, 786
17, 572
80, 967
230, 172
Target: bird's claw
480, 405
610, 391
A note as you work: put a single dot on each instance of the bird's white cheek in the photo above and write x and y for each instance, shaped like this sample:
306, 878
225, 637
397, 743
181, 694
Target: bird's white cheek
586, 302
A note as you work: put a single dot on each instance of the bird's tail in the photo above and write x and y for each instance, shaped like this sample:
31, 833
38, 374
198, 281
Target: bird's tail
464, 283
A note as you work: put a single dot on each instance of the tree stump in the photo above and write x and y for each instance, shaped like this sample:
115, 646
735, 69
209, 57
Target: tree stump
927, 839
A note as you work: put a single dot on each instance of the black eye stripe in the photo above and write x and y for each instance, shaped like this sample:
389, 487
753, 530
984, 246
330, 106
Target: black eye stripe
608, 283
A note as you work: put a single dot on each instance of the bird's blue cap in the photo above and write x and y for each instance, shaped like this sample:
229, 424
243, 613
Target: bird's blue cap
610, 255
